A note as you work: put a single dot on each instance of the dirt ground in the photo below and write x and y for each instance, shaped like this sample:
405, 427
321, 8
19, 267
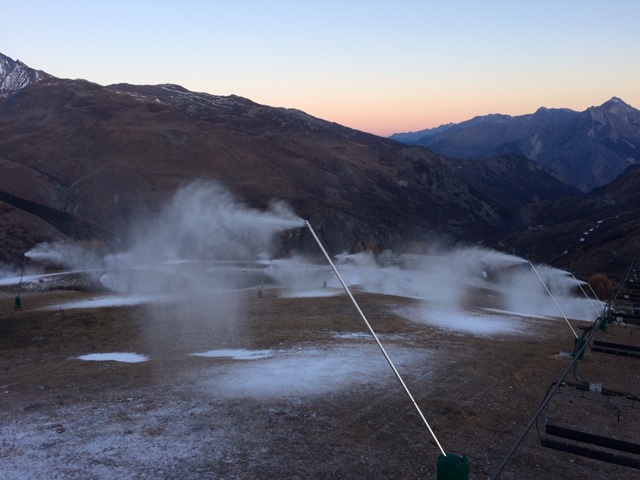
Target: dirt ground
333, 410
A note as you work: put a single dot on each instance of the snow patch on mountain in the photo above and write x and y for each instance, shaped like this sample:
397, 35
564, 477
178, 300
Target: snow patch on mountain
15, 75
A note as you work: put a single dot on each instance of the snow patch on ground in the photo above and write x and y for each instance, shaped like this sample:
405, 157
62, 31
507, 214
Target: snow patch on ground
321, 292
116, 438
192, 426
311, 371
351, 335
517, 314
239, 354
124, 357
109, 301
366, 336
463, 321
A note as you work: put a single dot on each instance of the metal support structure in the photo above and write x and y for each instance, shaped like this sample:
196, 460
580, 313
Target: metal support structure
546, 400
373, 333
554, 300
551, 392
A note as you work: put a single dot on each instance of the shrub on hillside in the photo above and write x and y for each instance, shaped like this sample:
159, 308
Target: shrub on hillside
602, 285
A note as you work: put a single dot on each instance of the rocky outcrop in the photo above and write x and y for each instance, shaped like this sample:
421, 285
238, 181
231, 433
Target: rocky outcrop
15, 75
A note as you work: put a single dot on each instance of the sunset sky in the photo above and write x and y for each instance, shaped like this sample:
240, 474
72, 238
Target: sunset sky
378, 66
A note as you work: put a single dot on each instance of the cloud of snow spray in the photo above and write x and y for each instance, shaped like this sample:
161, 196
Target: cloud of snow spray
203, 227
463, 279
189, 257
182, 253
50, 254
193, 251
64, 254
454, 284
188, 247
182, 250
524, 293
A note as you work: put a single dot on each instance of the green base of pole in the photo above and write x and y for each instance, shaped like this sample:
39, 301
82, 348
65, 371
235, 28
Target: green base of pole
453, 467
578, 343
603, 324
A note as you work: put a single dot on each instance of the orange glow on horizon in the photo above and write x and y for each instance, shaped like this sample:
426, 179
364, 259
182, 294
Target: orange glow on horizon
386, 124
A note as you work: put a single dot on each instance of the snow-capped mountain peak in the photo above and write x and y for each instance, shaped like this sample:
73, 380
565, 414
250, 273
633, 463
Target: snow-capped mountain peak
15, 75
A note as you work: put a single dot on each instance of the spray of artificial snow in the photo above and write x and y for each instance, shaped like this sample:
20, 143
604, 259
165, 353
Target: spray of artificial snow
193, 249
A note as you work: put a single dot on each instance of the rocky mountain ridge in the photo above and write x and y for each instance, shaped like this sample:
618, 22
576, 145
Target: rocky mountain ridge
114, 154
84, 162
478, 137
585, 149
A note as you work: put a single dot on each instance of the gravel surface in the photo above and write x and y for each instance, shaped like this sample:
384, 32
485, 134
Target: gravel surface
235, 386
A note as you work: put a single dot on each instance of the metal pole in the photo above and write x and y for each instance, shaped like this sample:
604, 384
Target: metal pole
375, 337
21, 275
266, 272
585, 294
554, 300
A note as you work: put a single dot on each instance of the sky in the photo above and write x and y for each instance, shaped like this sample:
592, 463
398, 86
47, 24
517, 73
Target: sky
379, 66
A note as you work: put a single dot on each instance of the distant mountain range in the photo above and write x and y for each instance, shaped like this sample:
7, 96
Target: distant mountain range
585, 149
85, 162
